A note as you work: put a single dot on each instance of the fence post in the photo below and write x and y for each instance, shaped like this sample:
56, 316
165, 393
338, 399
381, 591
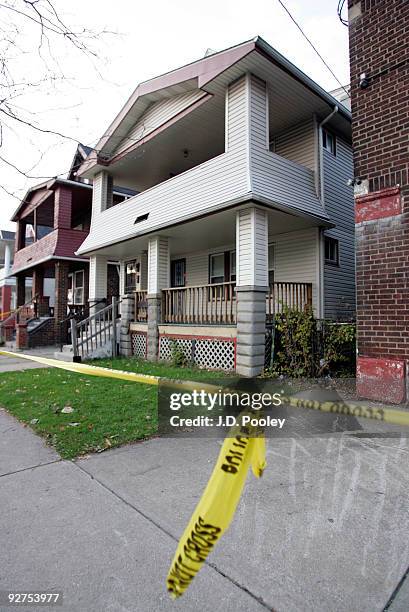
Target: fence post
74, 340
114, 318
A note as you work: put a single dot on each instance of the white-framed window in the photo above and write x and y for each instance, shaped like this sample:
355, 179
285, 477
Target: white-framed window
331, 248
216, 268
76, 288
271, 263
329, 141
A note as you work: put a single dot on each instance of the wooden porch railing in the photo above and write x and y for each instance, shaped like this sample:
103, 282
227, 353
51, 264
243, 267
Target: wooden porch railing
202, 304
297, 296
141, 306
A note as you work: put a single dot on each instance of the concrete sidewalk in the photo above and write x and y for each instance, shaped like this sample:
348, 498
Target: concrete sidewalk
14, 364
326, 529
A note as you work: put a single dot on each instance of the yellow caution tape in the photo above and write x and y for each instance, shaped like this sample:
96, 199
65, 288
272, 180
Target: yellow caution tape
217, 506
82, 368
240, 449
386, 415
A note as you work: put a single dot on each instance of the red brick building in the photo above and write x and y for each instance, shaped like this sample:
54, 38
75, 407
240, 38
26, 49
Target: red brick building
379, 58
52, 221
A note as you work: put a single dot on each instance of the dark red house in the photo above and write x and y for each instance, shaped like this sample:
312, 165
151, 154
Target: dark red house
53, 220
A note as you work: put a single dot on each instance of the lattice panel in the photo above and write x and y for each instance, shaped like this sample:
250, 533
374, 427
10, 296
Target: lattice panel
139, 345
216, 354
165, 347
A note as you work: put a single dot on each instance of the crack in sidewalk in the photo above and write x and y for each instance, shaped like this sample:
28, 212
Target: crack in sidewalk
32, 467
173, 537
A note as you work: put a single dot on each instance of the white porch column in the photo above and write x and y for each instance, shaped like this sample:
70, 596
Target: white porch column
98, 281
7, 259
251, 288
158, 279
101, 192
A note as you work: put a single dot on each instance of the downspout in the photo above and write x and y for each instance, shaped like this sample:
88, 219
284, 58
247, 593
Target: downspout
321, 196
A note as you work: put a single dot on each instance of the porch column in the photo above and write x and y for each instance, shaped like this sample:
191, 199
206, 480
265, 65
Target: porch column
38, 282
62, 269
101, 192
7, 259
158, 279
21, 289
251, 288
98, 282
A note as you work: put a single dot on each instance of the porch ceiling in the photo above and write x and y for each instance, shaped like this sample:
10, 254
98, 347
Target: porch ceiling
206, 233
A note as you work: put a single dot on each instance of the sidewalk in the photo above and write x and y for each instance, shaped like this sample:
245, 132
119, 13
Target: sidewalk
325, 528
13, 364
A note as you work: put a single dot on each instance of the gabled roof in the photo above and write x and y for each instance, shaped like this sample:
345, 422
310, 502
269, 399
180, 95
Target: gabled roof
195, 75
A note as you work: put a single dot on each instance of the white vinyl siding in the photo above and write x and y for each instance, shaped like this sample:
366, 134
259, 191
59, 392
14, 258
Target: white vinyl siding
272, 176
297, 144
158, 264
158, 114
98, 271
339, 281
296, 259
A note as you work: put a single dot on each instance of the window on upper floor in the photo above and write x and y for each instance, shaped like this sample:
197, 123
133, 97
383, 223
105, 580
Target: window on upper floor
331, 246
329, 141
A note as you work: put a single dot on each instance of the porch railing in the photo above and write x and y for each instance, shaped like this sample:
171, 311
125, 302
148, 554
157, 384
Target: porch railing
297, 296
141, 306
216, 304
201, 304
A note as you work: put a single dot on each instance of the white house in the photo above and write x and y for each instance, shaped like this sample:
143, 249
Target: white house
241, 165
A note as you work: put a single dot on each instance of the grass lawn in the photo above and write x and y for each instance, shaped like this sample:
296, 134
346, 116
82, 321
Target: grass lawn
106, 412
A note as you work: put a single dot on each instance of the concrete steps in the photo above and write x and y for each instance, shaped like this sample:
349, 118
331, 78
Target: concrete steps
98, 352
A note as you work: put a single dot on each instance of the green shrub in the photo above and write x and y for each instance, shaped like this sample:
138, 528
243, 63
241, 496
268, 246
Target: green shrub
178, 357
306, 347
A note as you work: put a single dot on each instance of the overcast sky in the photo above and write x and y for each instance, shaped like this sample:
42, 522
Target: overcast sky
152, 38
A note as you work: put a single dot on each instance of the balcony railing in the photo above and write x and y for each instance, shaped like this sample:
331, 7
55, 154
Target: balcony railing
202, 304
216, 304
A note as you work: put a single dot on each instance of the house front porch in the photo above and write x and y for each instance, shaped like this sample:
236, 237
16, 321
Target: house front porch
212, 286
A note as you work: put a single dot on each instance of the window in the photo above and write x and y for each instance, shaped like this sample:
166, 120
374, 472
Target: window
271, 263
178, 272
76, 288
216, 272
132, 275
329, 142
331, 251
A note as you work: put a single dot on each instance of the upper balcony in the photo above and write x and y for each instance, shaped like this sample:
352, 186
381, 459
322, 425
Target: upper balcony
179, 178
52, 222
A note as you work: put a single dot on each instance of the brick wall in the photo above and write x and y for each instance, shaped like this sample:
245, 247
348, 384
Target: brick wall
379, 47
44, 335
63, 208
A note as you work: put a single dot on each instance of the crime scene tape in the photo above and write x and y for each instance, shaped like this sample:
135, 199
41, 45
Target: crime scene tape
217, 506
386, 415
215, 510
